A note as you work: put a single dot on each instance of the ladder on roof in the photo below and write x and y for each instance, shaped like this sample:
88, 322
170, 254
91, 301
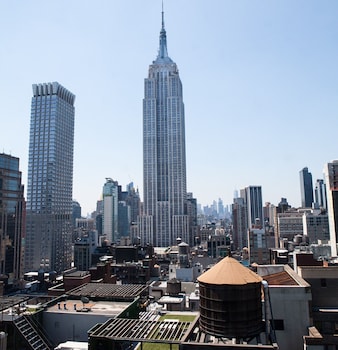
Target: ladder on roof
33, 336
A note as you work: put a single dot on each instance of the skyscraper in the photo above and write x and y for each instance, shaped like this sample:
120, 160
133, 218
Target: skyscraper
110, 210
331, 181
306, 188
11, 217
132, 198
239, 220
253, 201
50, 179
320, 194
164, 161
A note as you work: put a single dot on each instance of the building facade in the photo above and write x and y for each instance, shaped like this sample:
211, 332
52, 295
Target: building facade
110, 210
316, 226
239, 222
259, 252
192, 213
132, 198
253, 201
164, 216
320, 194
306, 188
12, 218
288, 225
76, 212
50, 179
331, 181
84, 247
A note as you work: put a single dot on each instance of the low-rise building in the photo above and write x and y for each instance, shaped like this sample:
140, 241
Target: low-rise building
324, 285
290, 297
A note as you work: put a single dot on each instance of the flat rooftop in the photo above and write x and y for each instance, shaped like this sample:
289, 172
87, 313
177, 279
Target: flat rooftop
150, 330
10, 301
108, 291
74, 306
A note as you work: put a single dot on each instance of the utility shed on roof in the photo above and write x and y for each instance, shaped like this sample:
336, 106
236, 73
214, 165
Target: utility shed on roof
229, 272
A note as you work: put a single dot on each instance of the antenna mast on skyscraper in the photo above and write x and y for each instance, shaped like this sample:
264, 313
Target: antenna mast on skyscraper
162, 16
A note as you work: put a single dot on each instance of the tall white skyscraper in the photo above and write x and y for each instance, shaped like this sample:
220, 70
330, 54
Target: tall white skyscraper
164, 161
50, 179
331, 181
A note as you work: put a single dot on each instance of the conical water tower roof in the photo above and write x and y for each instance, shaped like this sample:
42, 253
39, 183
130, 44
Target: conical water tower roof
231, 272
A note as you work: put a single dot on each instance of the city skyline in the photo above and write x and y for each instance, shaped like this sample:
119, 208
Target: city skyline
259, 78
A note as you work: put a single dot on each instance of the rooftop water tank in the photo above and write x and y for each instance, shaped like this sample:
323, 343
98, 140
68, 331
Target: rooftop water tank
174, 286
183, 248
230, 301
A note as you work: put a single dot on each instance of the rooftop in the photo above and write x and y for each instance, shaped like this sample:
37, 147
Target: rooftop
280, 278
108, 291
71, 307
151, 330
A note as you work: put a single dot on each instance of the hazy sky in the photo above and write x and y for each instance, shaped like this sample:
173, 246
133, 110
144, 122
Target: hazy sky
260, 84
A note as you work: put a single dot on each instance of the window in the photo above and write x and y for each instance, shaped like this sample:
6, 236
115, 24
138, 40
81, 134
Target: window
323, 282
278, 325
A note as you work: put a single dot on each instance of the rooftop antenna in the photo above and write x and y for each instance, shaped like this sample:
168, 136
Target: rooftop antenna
162, 52
162, 16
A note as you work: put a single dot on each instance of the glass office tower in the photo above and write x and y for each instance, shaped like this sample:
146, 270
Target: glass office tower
253, 201
306, 188
11, 218
164, 158
50, 179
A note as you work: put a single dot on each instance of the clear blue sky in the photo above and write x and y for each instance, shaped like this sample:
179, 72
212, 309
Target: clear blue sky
260, 83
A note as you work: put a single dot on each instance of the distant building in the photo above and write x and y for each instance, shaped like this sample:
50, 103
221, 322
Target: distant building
132, 199
85, 224
306, 188
320, 195
221, 211
76, 212
12, 218
110, 210
254, 205
98, 217
269, 211
219, 245
50, 179
316, 226
192, 214
288, 225
283, 205
124, 219
259, 252
239, 220
83, 250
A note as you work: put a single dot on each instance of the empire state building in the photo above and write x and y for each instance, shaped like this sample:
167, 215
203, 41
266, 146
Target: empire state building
164, 216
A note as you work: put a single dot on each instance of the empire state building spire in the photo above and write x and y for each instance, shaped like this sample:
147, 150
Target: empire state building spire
163, 51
